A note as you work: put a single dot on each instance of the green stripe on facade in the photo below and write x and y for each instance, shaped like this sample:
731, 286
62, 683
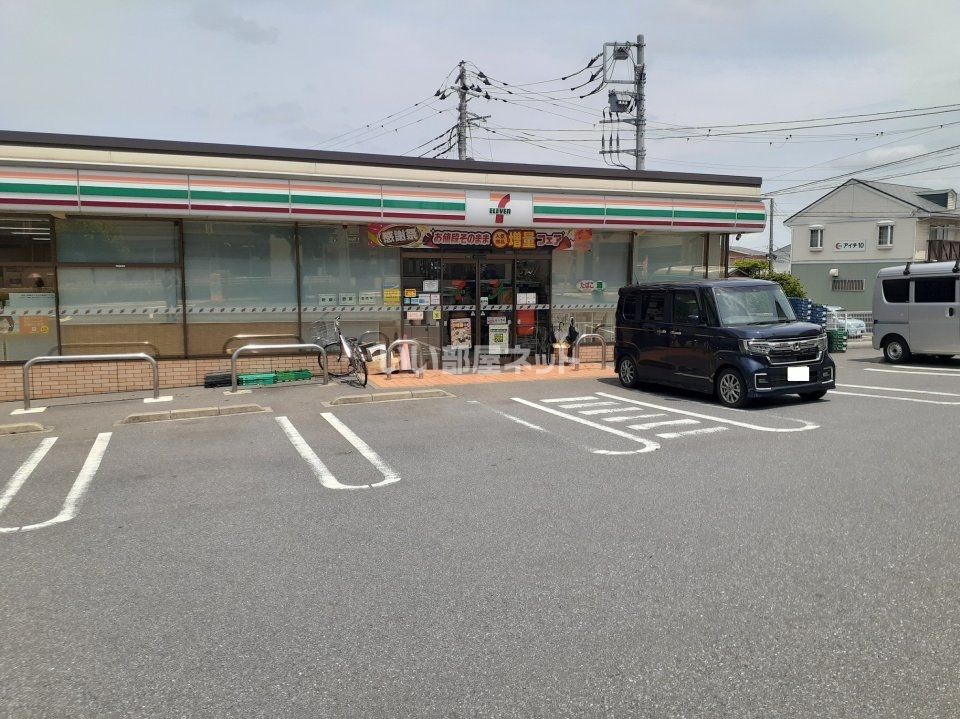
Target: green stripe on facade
28, 189
326, 200
230, 196
552, 210
133, 192
624, 212
706, 214
425, 205
751, 216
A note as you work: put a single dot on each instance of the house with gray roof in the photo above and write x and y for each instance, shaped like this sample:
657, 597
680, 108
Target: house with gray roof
840, 241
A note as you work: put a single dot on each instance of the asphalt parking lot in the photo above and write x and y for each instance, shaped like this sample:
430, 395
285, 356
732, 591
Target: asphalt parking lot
539, 549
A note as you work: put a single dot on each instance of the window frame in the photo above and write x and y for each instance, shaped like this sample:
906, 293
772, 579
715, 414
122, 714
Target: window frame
816, 233
913, 290
673, 307
885, 243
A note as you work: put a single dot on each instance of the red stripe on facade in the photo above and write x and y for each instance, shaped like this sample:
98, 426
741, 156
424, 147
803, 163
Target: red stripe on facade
242, 208
137, 205
566, 221
35, 201
639, 223
419, 216
679, 223
351, 213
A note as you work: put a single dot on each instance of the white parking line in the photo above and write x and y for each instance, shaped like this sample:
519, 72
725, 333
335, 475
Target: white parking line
519, 421
320, 469
651, 425
686, 433
900, 399
608, 410
806, 425
897, 389
570, 399
903, 371
389, 475
628, 417
579, 405
939, 369
72, 503
648, 445
26, 469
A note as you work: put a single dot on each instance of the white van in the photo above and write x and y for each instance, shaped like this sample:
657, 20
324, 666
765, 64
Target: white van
916, 311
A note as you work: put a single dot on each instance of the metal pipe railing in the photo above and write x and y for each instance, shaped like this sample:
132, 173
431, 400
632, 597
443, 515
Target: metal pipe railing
388, 370
259, 337
259, 348
380, 336
576, 350
54, 359
136, 343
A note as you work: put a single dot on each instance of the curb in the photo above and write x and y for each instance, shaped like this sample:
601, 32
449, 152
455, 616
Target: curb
388, 397
194, 413
20, 428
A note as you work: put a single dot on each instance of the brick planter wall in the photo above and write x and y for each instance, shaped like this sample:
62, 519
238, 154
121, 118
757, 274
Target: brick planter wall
69, 380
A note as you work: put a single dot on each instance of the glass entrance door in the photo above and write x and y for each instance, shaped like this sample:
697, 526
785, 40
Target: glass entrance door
496, 311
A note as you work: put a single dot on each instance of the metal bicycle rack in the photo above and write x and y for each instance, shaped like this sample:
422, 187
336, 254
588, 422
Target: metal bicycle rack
404, 343
56, 359
149, 345
250, 349
576, 350
258, 337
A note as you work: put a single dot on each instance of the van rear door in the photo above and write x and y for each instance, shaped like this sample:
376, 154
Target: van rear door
935, 316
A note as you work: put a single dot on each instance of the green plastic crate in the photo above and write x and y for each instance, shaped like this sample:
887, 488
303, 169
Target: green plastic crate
293, 375
262, 378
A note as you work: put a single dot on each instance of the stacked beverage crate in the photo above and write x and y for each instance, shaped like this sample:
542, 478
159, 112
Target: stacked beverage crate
802, 308
818, 315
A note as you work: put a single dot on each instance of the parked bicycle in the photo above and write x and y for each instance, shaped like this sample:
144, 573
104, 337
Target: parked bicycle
344, 356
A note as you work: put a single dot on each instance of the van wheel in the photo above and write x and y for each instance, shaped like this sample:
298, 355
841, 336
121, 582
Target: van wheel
628, 372
896, 351
731, 389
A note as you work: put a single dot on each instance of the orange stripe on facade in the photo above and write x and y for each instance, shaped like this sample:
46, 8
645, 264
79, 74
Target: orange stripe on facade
198, 184
417, 193
134, 180
640, 203
708, 205
64, 176
330, 189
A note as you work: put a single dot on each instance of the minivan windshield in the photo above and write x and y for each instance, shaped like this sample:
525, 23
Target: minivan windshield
753, 305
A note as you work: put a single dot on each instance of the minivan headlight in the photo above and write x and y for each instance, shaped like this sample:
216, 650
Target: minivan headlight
822, 342
756, 347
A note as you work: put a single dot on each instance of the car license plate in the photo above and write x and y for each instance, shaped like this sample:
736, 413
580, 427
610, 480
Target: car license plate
798, 374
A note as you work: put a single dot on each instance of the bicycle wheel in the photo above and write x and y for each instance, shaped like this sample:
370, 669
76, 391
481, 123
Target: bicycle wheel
359, 368
338, 364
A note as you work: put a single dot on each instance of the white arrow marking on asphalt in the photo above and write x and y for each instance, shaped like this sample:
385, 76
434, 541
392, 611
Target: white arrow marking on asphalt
72, 503
26, 469
806, 425
702, 430
648, 446
651, 425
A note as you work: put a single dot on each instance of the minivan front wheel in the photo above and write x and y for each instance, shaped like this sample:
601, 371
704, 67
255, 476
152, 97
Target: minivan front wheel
731, 388
628, 372
896, 351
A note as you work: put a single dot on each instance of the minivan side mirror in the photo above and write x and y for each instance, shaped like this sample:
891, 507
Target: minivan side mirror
693, 319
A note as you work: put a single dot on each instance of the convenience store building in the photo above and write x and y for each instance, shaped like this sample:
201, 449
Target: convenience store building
116, 245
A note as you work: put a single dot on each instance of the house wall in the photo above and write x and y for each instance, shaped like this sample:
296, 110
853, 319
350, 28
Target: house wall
816, 279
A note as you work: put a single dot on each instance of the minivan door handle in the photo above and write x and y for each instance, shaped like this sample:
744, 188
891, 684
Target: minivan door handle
676, 332
661, 332
949, 311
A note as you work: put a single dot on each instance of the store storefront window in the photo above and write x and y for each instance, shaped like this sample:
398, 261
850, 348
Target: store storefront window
715, 242
240, 279
27, 284
659, 256
586, 280
119, 284
343, 274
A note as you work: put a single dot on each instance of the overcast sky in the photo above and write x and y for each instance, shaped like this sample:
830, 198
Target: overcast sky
301, 73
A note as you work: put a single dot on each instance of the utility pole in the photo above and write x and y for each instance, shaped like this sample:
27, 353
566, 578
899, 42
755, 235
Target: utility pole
623, 101
462, 112
770, 245
640, 79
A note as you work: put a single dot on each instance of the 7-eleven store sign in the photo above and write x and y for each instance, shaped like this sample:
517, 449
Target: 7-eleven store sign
504, 209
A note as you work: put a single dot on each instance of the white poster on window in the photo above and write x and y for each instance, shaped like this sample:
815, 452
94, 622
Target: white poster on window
499, 339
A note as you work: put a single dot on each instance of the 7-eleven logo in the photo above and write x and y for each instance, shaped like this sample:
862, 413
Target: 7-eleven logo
501, 209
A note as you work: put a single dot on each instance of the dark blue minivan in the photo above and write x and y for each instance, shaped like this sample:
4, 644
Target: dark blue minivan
736, 339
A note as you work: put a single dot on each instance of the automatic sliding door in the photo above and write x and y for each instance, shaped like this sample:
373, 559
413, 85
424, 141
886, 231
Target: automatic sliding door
495, 328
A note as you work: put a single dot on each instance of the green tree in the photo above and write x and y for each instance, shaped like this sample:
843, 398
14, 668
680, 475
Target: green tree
757, 269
